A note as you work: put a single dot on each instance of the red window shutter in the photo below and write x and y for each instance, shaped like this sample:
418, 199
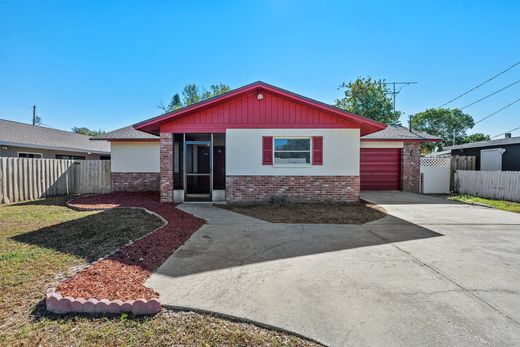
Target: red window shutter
267, 150
317, 150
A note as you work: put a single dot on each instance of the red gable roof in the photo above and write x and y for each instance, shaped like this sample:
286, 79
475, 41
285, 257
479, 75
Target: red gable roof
240, 108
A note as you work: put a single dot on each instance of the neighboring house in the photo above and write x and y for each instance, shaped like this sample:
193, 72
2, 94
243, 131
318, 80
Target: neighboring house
258, 142
501, 154
32, 141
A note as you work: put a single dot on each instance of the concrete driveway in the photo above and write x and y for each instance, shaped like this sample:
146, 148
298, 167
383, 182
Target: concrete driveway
431, 273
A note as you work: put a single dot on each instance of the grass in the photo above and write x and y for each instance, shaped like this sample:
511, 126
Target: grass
41, 241
498, 204
310, 213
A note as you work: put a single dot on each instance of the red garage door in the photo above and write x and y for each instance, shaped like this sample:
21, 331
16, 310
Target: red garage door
380, 168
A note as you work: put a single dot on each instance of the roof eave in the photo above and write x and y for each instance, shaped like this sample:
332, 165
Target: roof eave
55, 148
132, 140
402, 140
151, 125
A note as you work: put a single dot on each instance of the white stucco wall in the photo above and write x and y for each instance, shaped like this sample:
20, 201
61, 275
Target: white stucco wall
135, 156
340, 153
382, 144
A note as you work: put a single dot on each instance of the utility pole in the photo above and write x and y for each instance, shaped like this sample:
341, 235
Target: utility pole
36, 120
454, 137
394, 92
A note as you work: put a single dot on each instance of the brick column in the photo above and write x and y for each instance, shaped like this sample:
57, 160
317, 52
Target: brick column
166, 159
411, 167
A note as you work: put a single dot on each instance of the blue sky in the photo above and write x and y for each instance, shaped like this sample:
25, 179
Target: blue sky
107, 64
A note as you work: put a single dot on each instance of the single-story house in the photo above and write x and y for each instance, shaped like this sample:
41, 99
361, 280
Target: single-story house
258, 142
32, 141
493, 155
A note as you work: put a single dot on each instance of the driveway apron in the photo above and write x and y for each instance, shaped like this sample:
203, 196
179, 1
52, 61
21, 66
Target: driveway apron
432, 272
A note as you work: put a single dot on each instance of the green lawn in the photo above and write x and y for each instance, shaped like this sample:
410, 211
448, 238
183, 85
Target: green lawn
498, 204
41, 241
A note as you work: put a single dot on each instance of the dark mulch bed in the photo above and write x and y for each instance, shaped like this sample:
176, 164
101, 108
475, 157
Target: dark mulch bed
311, 213
123, 274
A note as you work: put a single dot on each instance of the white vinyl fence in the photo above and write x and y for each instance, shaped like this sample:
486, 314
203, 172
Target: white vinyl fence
24, 179
501, 185
435, 175
438, 174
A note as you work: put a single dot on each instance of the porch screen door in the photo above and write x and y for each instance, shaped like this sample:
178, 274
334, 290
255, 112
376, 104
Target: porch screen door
198, 164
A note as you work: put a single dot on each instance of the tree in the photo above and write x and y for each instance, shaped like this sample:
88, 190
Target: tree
443, 122
175, 103
214, 90
369, 98
476, 138
87, 131
191, 94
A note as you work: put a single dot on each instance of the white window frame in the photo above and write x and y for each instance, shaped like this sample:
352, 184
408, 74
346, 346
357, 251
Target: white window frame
33, 153
291, 138
497, 151
69, 155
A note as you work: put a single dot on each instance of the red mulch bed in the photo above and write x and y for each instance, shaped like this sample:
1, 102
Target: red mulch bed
122, 275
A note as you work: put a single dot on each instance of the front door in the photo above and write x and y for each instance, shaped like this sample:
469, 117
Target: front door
198, 177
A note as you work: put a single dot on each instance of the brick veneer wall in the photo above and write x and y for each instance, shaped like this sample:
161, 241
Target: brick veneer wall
292, 188
411, 167
135, 181
166, 165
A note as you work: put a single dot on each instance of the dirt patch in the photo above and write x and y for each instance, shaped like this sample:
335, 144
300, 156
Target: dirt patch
122, 275
311, 213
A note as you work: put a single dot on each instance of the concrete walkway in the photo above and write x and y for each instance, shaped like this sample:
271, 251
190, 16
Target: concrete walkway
431, 273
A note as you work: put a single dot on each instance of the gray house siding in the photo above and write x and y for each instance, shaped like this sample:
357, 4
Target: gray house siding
12, 151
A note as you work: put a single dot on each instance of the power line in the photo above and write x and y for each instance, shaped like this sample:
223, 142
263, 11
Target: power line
509, 131
499, 110
487, 96
481, 84
394, 92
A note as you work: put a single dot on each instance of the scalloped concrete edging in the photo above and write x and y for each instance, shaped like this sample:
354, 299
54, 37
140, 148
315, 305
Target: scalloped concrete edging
56, 303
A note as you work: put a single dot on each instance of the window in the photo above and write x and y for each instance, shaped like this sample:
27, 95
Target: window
292, 151
29, 155
70, 157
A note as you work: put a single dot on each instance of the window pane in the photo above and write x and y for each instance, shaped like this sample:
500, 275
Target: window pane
292, 144
292, 157
29, 155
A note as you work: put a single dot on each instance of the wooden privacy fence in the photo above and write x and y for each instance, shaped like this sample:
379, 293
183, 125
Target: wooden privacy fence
24, 179
461, 162
501, 185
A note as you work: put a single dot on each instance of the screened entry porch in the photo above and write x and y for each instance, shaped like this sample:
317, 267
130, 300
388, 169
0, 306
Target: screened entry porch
199, 167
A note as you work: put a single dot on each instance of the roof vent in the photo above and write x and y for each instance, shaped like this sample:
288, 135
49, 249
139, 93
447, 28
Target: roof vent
508, 135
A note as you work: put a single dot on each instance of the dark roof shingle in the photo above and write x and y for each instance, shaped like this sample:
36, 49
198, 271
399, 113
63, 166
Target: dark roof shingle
126, 133
26, 135
397, 132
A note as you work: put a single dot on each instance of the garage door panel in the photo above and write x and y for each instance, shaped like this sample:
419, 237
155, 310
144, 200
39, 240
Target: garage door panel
382, 161
380, 168
379, 178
